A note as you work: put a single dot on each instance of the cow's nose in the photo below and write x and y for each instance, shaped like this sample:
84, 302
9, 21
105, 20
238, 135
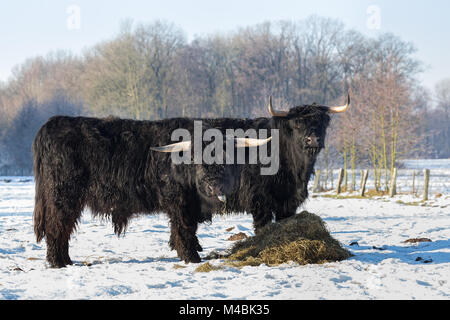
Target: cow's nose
312, 141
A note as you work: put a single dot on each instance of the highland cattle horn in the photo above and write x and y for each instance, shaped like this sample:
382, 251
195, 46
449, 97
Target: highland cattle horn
274, 112
339, 109
334, 109
186, 145
175, 147
249, 142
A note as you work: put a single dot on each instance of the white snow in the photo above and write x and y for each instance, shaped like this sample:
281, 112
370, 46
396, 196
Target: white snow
141, 265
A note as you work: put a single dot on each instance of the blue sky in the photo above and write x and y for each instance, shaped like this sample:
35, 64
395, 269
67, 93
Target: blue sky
30, 28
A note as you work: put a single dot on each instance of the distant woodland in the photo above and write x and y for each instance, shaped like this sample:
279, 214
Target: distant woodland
150, 71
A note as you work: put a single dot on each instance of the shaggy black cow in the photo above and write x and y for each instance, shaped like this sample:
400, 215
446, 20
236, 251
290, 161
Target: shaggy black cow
108, 166
112, 167
302, 132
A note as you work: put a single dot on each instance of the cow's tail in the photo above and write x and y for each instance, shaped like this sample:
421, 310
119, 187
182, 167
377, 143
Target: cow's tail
39, 200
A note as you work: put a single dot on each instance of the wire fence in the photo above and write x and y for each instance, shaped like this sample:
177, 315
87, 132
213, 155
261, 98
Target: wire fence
407, 181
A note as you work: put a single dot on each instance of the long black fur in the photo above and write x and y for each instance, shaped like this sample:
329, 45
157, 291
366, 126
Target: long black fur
278, 196
107, 165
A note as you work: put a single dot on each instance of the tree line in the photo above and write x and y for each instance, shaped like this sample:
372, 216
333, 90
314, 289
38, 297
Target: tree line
151, 71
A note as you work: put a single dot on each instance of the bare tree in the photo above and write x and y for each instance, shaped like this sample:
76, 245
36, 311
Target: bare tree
150, 71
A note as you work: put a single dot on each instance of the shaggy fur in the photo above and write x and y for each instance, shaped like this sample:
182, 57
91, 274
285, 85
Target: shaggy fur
107, 166
278, 196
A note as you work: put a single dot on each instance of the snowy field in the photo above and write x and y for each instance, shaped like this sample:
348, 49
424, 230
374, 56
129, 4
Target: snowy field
141, 266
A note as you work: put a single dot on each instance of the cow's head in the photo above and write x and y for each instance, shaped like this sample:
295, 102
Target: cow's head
306, 125
215, 182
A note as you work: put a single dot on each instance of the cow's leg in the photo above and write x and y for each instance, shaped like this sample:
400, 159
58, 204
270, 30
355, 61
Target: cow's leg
57, 250
198, 247
286, 210
57, 235
65, 251
183, 238
64, 212
172, 242
261, 217
63, 181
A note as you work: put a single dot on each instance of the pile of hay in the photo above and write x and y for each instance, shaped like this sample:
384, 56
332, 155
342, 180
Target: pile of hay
207, 267
302, 238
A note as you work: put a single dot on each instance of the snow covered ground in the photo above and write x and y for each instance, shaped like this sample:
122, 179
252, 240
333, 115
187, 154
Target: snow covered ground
141, 266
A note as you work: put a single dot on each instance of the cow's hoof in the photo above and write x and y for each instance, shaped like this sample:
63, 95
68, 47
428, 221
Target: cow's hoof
193, 258
68, 261
57, 265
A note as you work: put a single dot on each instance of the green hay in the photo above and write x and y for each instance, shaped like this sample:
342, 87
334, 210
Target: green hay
302, 238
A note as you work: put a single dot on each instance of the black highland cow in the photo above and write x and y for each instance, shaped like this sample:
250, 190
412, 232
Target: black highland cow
112, 167
302, 132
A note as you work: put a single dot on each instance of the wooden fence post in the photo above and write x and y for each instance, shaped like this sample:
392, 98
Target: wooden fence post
426, 174
316, 181
364, 181
332, 179
393, 187
339, 182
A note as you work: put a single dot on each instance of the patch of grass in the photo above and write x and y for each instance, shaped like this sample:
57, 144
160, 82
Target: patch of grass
249, 261
339, 196
375, 193
178, 266
367, 195
207, 267
420, 203
414, 203
302, 238
417, 240
237, 236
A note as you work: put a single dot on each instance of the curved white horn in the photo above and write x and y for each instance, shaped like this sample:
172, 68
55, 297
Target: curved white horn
249, 142
274, 112
175, 147
339, 109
